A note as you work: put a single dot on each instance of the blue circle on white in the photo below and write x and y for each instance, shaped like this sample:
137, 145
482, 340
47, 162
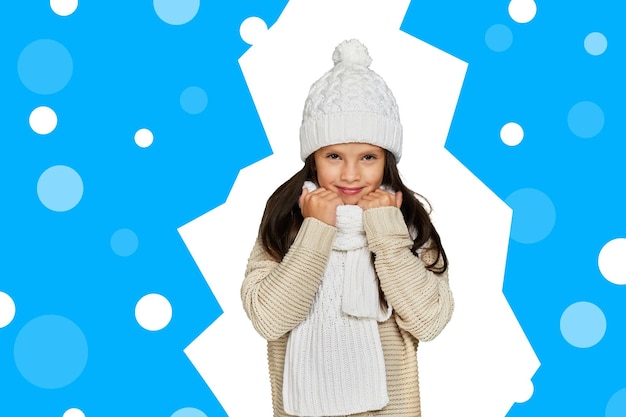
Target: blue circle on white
583, 324
193, 100
50, 351
189, 412
60, 188
45, 66
533, 215
499, 38
176, 12
595, 43
585, 119
124, 242
616, 406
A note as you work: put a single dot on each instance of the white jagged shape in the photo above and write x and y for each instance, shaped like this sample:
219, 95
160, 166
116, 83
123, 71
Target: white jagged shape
482, 362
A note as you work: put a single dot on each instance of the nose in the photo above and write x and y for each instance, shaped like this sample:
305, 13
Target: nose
350, 171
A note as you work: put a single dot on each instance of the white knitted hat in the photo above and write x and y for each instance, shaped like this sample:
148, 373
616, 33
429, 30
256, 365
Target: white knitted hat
350, 103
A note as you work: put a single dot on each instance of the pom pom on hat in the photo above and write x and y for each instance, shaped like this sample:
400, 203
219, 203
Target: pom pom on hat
350, 103
352, 52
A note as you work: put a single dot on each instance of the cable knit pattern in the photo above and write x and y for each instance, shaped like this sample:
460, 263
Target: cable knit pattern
278, 296
334, 362
350, 103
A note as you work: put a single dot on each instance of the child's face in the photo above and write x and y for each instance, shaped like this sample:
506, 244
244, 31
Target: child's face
352, 170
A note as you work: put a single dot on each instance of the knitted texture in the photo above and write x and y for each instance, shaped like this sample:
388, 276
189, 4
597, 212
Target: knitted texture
334, 362
350, 103
358, 293
277, 296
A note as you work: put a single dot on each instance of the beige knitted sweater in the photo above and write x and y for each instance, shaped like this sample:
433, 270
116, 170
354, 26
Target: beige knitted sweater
277, 296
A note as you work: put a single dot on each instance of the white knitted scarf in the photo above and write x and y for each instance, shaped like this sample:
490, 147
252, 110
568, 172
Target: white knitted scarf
334, 363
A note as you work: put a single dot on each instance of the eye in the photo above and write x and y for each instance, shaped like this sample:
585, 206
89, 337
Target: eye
332, 156
370, 157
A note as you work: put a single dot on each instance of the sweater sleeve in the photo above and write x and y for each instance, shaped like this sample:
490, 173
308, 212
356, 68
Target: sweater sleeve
277, 296
421, 298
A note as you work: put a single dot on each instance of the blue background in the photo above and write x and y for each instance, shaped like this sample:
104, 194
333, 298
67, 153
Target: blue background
112, 68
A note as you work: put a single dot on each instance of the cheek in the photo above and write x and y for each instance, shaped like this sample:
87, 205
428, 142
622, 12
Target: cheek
323, 178
375, 177
328, 173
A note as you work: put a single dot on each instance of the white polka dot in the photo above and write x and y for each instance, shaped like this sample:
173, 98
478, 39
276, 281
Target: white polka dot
252, 29
524, 391
63, 7
74, 412
7, 309
144, 138
522, 11
511, 134
43, 120
612, 261
153, 312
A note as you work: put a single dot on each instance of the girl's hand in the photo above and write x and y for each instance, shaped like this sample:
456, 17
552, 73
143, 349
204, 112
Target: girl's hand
320, 204
380, 198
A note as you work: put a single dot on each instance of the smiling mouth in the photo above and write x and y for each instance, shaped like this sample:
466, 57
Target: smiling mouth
350, 191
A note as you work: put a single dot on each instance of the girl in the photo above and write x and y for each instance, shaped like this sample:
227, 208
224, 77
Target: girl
348, 273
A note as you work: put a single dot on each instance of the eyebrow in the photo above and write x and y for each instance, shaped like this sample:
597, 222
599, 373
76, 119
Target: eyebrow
373, 152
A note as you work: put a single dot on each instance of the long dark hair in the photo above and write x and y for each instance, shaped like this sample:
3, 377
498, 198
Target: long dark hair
282, 217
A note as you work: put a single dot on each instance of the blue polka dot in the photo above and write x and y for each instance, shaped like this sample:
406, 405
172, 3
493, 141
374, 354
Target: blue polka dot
45, 66
595, 43
193, 100
499, 38
50, 351
189, 412
60, 188
124, 242
583, 324
616, 407
533, 215
176, 12
585, 119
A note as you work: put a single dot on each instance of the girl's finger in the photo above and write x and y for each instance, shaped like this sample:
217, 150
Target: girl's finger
305, 191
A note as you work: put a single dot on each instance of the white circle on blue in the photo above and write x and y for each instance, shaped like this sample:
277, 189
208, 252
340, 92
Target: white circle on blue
188, 412
50, 351
7, 309
612, 261
193, 100
74, 412
522, 11
45, 66
499, 38
176, 12
43, 120
60, 188
616, 406
595, 43
252, 29
583, 324
124, 242
63, 7
534, 215
153, 312
585, 119
511, 134
144, 137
